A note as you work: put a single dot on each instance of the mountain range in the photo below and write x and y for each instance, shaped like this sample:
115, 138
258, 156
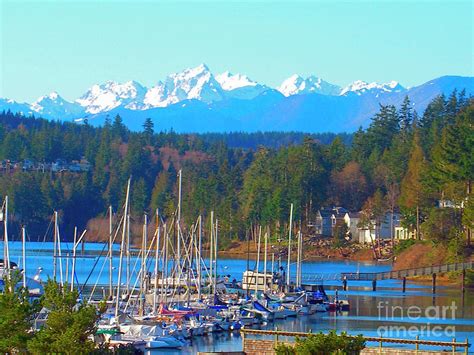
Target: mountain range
196, 100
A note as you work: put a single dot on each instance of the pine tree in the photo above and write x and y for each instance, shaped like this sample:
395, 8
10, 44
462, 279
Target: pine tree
412, 184
453, 163
148, 131
337, 154
16, 315
406, 115
69, 324
432, 122
119, 130
139, 200
384, 126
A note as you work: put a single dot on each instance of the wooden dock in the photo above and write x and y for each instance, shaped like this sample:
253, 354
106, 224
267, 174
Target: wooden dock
399, 274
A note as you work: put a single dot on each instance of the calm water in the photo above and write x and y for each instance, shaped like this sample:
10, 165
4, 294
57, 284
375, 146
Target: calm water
387, 311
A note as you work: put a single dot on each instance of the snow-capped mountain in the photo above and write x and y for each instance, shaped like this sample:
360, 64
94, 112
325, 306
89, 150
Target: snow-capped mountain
105, 97
360, 87
195, 100
54, 105
229, 81
296, 85
239, 86
191, 84
14, 106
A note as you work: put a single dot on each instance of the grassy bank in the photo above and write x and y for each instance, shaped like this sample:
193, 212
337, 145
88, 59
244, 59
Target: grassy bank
414, 254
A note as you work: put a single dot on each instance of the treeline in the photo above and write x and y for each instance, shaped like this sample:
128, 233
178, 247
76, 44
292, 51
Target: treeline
402, 162
272, 139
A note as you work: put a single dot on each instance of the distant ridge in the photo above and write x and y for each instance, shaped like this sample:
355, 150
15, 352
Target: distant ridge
195, 100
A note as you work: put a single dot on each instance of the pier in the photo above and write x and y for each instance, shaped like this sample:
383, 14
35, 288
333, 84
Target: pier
432, 271
398, 274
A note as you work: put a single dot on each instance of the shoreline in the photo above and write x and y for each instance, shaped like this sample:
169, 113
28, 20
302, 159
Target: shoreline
252, 255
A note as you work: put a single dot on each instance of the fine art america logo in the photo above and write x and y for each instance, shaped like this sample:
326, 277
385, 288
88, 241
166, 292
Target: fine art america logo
421, 320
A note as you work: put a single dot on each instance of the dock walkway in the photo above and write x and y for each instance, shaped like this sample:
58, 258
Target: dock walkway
399, 274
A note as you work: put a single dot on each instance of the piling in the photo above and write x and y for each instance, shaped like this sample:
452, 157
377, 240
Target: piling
463, 281
374, 285
433, 286
404, 284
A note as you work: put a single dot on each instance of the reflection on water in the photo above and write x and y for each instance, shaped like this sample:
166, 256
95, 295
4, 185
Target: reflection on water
371, 312
365, 318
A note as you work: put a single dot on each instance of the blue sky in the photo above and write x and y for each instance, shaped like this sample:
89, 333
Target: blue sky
70, 45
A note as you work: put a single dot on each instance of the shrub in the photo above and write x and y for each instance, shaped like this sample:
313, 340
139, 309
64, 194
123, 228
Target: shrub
403, 245
324, 344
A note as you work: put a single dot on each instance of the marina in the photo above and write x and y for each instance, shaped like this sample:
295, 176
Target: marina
237, 177
174, 292
363, 316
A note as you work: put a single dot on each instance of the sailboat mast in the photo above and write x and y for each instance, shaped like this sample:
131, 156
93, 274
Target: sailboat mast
248, 259
211, 241
198, 259
164, 278
6, 250
298, 260
54, 244
73, 258
157, 247
189, 266
60, 257
128, 253
215, 256
121, 249
178, 223
273, 262
289, 248
23, 234
258, 261
111, 291
143, 266
301, 255
74, 249
265, 264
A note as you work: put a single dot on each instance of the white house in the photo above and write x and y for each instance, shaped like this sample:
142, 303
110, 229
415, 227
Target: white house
385, 230
352, 220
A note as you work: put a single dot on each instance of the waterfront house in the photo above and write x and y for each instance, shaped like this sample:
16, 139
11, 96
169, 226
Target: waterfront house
385, 231
323, 223
352, 220
327, 219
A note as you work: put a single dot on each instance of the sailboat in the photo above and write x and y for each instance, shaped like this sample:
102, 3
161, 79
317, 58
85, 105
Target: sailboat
35, 289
